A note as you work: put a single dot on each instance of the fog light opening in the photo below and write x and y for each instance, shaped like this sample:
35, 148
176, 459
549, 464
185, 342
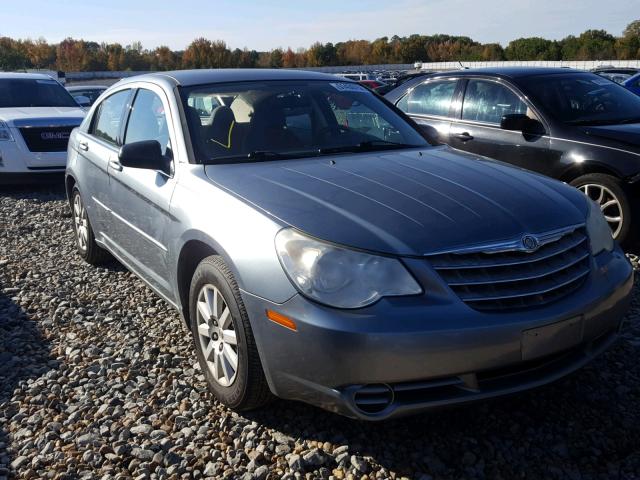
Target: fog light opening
373, 398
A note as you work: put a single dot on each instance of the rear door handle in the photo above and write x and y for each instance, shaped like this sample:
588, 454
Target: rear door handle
83, 146
464, 136
116, 165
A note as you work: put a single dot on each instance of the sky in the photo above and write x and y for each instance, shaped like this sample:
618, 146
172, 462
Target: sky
264, 25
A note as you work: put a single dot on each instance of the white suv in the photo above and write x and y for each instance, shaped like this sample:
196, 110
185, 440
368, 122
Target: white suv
37, 116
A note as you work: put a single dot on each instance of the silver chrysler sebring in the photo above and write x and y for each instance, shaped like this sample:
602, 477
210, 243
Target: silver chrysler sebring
320, 249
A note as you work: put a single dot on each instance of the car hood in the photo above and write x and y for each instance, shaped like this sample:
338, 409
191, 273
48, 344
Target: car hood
627, 135
404, 202
56, 115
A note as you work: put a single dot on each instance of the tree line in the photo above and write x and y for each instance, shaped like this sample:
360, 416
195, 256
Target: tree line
80, 55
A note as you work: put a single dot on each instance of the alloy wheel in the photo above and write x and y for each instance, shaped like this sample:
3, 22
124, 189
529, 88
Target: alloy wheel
81, 222
217, 335
609, 204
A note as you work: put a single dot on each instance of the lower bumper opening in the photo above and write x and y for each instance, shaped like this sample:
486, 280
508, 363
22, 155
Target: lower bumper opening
381, 400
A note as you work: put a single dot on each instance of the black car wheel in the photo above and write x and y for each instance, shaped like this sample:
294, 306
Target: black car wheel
223, 338
607, 191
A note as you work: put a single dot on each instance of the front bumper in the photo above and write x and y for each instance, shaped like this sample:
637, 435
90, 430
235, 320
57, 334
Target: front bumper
405, 355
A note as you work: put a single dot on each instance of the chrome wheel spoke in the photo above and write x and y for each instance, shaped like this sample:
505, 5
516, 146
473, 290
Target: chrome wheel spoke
203, 309
231, 356
203, 330
609, 205
225, 319
229, 337
210, 351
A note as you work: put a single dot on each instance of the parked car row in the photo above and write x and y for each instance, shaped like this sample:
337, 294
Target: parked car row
320, 248
574, 126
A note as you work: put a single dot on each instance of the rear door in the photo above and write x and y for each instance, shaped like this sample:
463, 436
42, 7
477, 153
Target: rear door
432, 104
97, 147
478, 128
141, 196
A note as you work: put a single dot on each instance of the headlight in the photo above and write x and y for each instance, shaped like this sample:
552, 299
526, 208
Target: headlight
5, 133
600, 235
340, 277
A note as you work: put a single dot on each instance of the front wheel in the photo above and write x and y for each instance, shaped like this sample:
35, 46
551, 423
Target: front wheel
608, 192
223, 338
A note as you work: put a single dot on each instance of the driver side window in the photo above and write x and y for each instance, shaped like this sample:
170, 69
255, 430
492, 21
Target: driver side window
148, 121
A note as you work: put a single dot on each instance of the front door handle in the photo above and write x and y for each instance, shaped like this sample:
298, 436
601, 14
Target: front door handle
116, 165
463, 136
83, 146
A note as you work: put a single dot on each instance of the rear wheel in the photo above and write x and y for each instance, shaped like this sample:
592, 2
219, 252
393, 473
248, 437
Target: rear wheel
86, 244
223, 338
607, 191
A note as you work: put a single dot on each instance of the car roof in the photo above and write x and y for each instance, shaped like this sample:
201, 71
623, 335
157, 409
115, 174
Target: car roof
508, 72
188, 78
86, 87
25, 76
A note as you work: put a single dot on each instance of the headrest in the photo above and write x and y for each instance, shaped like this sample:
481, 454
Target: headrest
222, 122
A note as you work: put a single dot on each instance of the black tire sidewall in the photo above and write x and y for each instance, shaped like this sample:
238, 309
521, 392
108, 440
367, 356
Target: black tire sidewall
209, 273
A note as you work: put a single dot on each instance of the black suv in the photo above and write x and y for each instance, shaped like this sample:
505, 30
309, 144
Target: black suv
571, 125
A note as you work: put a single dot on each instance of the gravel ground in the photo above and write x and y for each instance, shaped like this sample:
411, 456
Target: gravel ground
98, 380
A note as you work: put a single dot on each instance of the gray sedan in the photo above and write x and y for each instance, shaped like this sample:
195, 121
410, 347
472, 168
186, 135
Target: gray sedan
319, 249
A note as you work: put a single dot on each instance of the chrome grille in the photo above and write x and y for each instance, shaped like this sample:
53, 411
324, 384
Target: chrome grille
517, 279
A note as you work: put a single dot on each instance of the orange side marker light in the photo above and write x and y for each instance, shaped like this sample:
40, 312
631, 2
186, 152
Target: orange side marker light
282, 320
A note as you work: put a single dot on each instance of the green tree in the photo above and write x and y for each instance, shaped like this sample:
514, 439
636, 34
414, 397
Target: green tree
533, 48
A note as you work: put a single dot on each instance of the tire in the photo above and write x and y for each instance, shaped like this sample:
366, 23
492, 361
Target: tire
604, 190
245, 386
85, 240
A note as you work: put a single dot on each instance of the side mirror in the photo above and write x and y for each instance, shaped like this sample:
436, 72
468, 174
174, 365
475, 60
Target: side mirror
146, 154
514, 121
83, 101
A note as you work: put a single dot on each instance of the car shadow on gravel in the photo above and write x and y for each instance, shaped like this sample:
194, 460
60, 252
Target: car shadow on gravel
24, 355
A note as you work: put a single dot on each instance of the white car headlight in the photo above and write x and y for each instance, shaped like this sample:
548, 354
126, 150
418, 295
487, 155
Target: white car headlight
5, 133
339, 277
600, 235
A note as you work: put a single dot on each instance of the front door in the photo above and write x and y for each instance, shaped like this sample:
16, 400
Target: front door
478, 128
141, 212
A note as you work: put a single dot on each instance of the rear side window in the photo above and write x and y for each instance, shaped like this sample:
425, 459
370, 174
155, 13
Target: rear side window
489, 101
431, 98
108, 117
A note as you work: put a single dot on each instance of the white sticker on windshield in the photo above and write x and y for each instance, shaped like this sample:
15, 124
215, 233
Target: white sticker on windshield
349, 87
601, 81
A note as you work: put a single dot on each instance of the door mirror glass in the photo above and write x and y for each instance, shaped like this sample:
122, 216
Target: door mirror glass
514, 121
522, 123
146, 154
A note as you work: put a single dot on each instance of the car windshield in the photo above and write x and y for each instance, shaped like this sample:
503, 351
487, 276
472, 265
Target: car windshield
27, 92
271, 120
583, 99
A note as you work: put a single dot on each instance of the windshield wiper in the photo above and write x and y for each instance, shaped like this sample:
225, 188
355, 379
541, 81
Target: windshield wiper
261, 156
366, 146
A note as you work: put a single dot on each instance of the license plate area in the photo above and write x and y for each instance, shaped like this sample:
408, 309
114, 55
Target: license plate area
553, 338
